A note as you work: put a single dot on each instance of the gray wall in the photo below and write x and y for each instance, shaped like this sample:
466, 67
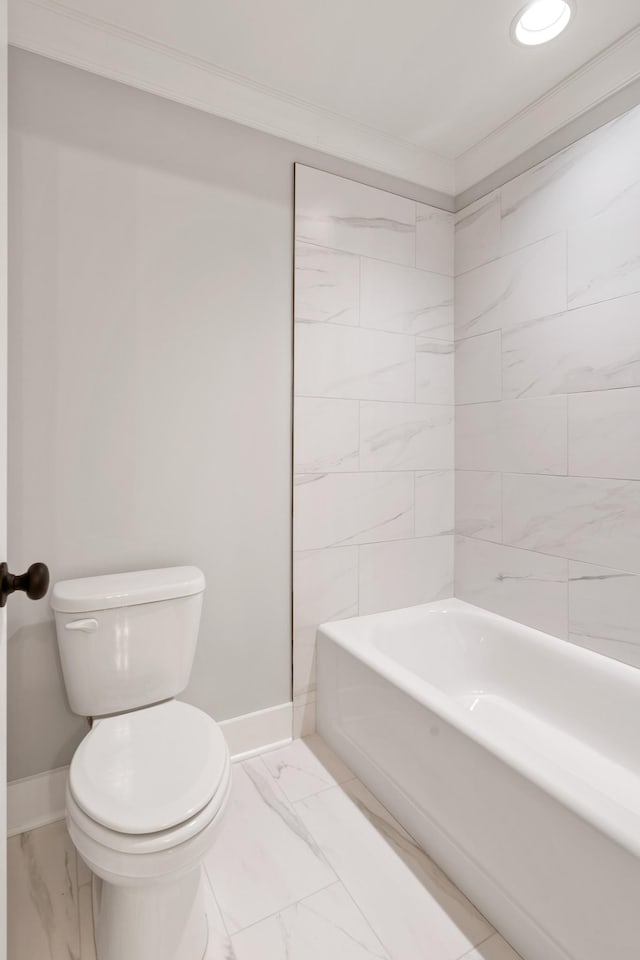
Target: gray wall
151, 251
548, 392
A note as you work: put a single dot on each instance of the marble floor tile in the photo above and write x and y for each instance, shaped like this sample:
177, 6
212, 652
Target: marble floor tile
411, 905
87, 938
43, 895
264, 859
327, 924
495, 948
306, 767
219, 946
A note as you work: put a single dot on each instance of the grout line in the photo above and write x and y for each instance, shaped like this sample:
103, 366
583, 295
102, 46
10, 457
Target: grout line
306, 242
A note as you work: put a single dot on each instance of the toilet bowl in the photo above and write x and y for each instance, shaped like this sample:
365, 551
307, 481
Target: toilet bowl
149, 783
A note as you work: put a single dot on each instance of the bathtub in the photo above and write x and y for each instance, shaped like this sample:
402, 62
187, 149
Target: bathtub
512, 757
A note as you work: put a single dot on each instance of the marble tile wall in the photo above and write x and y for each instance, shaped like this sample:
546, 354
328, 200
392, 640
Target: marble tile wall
547, 365
373, 409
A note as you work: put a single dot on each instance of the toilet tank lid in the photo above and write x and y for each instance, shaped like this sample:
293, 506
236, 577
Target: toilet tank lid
126, 589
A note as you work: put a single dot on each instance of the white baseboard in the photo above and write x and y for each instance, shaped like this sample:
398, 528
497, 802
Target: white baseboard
256, 732
38, 800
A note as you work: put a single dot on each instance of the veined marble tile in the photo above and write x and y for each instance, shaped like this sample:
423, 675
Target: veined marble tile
306, 767
604, 611
533, 435
477, 429
434, 371
337, 509
434, 240
406, 436
524, 586
413, 908
591, 348
405, 300
87, 935
574, 185
325, 587
349, 362
495, 948
405, 573
219, 946
264, 858
434, 503
604, 252
478, 368
351, 216
477, 233
43, 915
512, 290
327, 924
327, 285
596, 521
325, 435
604, 434
479, 504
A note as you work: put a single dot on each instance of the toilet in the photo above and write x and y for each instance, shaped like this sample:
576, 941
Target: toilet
149, 783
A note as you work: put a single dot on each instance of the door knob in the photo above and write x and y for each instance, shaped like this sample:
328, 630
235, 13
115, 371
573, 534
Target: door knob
35, 582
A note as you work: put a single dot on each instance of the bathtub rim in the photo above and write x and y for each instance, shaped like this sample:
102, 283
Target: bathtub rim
342, 633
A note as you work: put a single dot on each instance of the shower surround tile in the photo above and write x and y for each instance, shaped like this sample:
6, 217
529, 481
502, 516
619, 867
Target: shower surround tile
325, 587
434, 240
327, 439
346, 362
478, 369
411, 905
403, 436
404, 573
374, 415
604, 252
434, 503
593, 520
604, 434
345, 215
573, 186
604, 611
434, 371
327, 285
512, 290
405, 300
479, 505
590, 348
519, 584
334, 509
477, 233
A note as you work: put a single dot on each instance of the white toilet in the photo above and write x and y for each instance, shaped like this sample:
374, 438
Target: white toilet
149, 783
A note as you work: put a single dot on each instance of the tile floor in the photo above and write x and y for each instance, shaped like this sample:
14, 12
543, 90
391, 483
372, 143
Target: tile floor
308, 866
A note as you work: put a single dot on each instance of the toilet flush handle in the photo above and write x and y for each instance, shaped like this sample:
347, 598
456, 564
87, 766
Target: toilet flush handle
87, 626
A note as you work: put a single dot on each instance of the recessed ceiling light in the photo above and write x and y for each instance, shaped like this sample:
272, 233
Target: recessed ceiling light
541, 21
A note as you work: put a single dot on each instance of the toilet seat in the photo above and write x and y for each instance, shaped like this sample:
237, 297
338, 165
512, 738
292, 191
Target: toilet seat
142, 774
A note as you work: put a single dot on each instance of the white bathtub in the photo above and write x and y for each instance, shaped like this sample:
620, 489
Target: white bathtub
512, 757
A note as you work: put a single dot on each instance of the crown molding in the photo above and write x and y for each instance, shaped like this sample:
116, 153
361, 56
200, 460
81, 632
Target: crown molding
54, 30
598, 80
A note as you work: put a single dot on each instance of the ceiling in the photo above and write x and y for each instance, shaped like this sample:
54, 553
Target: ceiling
425, 79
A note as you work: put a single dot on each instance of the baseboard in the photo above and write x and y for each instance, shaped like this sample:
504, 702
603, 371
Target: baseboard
38, 800
256, 732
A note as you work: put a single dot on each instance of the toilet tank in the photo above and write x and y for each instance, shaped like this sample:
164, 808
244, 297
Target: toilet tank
127, 640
